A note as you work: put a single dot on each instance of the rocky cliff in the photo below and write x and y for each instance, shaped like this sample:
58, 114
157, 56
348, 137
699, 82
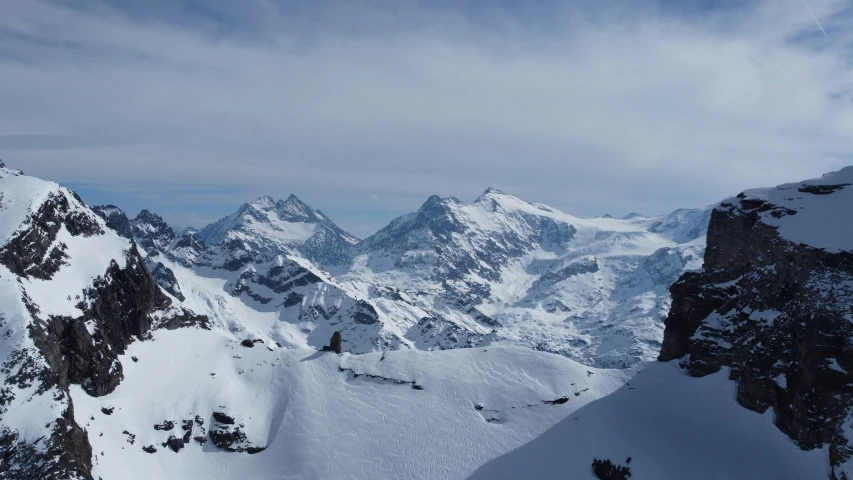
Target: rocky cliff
74, 294
773, 304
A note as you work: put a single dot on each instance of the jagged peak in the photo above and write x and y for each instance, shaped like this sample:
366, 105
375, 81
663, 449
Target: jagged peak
294, 209
147, 215
108, 208
435, 202
264, 202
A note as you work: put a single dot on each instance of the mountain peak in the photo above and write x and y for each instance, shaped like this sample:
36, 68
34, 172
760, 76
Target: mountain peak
493, 191
293, 209
264, 202
147, 215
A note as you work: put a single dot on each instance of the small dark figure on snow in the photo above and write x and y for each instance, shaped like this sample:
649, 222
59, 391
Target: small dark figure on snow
335, 344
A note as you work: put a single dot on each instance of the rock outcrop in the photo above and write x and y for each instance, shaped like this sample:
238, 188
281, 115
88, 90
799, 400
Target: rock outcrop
75, 295
773, 303
335, 344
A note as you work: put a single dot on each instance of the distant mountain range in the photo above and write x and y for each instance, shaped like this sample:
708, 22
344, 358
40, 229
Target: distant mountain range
497, 338
447, 276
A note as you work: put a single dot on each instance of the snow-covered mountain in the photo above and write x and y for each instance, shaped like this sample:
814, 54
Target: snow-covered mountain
596, 290
105, 375
268, 226
447, 276
75, 295
131, 351
758, 357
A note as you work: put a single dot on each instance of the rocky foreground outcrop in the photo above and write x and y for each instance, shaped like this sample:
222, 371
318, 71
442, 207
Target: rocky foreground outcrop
773, 303
74, 295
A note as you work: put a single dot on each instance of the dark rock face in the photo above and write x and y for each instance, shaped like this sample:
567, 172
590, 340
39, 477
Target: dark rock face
778, 314
152, 232
68, 453
606, 470
116, 219
165, 426
32, 252
335, 344
186, 249
165, 277
120, 304
175, 443
222, 418
116, 309
364, 313
227, 435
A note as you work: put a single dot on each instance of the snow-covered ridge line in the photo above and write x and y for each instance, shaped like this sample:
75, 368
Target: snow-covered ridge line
450, 275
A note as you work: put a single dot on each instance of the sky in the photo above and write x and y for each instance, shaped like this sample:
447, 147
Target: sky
365, 108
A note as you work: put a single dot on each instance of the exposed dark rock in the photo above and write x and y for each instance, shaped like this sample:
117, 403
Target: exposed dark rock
822, 189
227, 435
222, 418
364, 313
165, 426
248, 343
32, 251
335, 344
165, 277
558, 401
187, 427
65, 454
226, 438
149, 449
120, 304
606, 470
116, 219
183, 319
107, 411
175, 443
152, 232
131, 438
292, 299
774, 312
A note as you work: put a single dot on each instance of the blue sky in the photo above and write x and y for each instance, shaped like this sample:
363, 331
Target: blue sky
365, 108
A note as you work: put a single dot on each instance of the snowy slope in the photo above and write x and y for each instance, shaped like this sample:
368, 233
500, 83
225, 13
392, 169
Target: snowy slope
73, 295
318, 420
814, 212
672, 427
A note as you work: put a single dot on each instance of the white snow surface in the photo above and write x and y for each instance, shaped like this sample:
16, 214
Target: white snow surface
821, 220
319, 422
20, 195
673, 427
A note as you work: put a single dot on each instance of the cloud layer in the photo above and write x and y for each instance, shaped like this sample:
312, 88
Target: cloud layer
364, 110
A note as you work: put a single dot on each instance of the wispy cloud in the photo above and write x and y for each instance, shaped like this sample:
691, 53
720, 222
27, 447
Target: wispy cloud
617, 107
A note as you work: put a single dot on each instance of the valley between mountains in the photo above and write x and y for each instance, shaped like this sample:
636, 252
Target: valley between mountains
491, 339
